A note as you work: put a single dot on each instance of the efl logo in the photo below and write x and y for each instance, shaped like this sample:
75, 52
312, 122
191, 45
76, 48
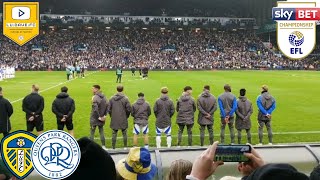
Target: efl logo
296, 27
21, 13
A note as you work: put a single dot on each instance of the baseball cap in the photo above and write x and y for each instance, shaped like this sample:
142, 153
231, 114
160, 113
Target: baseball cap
164, 90
265, 87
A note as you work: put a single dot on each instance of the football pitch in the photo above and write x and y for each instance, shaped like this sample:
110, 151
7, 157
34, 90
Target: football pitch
296, 118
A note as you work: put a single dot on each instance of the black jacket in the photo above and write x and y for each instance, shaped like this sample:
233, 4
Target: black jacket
6, 111
63, 105
33, 103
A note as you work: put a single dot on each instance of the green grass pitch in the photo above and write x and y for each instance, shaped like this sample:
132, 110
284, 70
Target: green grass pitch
296, 118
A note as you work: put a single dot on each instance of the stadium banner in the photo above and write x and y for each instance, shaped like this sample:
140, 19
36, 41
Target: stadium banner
20, 21
296, 27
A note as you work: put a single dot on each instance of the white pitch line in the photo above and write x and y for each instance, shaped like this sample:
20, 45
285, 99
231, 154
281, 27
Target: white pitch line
44, 90
243, 134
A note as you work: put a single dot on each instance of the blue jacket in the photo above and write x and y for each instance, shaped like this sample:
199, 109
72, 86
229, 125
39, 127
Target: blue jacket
227, 104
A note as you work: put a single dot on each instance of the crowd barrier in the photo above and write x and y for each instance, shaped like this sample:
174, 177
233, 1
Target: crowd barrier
302, 156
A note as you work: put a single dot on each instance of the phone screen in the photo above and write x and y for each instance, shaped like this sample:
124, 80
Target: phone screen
232, 153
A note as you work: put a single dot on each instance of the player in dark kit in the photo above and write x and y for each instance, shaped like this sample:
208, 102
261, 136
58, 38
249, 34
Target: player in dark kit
119, 74
82, 72
133, 71
33, 105
145, 72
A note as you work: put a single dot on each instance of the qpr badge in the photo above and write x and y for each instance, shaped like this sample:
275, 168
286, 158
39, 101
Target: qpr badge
296, 27
15, 152
55, 154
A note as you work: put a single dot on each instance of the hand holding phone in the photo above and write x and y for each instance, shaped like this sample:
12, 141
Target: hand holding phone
232, 153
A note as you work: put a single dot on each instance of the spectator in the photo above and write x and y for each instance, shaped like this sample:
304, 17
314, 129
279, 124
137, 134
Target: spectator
179, 170
137, 165
6, 111
95, 162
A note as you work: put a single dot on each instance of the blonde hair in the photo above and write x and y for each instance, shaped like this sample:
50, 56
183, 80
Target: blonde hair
179, 169
230, 178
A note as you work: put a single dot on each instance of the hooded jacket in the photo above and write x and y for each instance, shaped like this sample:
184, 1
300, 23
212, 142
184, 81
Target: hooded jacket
99, 109
163, 110
186, 107
6, 111
266, 104
243, 113
119, 110
207, 104
141, 112
63, 105
227, 104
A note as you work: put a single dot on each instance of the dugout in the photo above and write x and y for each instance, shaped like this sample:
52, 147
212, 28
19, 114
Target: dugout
302, 156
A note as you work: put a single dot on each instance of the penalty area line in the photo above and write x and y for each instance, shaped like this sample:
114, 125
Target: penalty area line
47, 89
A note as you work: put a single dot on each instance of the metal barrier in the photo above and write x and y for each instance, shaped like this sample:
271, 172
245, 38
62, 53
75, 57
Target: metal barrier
303, 157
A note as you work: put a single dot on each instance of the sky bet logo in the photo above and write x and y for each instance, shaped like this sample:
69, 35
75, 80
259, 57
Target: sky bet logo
311, 14
296, 27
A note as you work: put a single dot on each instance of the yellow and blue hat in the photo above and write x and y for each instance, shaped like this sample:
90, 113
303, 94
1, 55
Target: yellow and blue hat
137, 165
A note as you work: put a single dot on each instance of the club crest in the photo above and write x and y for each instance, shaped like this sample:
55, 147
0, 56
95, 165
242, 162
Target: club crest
15, 152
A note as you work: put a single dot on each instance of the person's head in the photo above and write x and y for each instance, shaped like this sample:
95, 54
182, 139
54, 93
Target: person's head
164, 90
137, 165
187, 90
242, 92
140, 95
35, 88
264, 88
206, 88
95, 89
64, 89
230, 178
89, 167
277, 172
227, 88
179, 169
120, 88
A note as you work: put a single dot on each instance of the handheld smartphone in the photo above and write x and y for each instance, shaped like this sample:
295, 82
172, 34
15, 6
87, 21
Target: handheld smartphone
232, 153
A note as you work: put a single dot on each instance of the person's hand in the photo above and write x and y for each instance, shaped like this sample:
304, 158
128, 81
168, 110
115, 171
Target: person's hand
204, 166
208, 116
269, 116
256, 161
226, 119
31, 118
63, 119
102, 118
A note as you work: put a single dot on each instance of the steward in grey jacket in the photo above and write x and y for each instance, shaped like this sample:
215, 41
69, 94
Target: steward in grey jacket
243, 112
119, 111
98, 113
207, 105
141, 112
163, 110
186, 107
99, 109
228, 105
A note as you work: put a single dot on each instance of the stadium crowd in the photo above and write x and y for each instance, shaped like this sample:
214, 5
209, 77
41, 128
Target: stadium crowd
155, 49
